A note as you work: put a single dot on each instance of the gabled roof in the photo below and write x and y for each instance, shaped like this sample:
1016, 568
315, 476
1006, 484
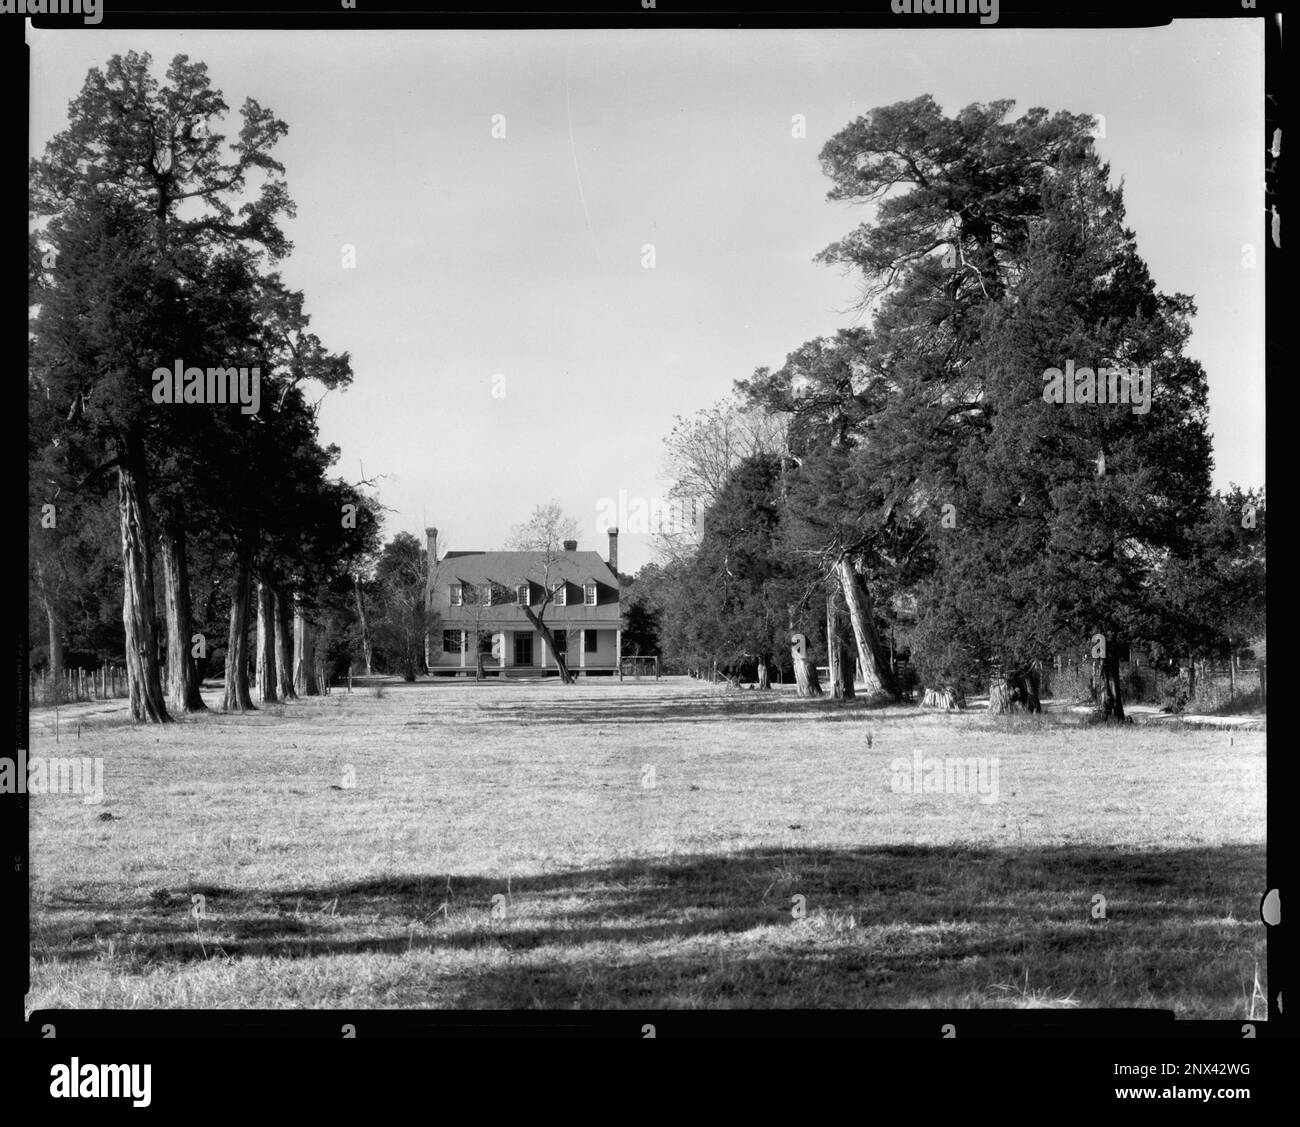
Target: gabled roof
509, 568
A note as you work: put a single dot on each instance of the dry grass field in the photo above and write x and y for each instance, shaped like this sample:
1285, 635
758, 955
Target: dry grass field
642, 845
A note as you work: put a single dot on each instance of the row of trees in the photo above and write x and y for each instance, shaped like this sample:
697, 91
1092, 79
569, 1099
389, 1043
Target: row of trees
153, 245
918, 483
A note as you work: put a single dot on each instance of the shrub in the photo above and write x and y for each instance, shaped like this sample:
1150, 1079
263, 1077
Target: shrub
1175, 693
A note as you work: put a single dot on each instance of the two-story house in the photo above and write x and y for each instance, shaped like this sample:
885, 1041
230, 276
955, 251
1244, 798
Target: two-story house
479, 597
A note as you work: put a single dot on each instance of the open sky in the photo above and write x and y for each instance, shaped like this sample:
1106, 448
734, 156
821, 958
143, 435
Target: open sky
514, 264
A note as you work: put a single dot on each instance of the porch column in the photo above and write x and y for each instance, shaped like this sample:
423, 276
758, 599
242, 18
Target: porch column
618, 652
540, 642
582, 648
463, 636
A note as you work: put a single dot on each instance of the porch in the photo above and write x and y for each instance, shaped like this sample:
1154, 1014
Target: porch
515, 653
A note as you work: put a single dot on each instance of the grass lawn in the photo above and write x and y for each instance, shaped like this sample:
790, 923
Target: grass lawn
479, 846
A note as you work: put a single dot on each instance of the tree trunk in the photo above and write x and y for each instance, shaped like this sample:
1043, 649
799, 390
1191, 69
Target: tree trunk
1001, 697
872, 663
143, 677
283, 645
838, 659
182, 673
56, 636
366, 649
1017, 689
237, 698
1030, 687
548, 639
805, 674
304, 655
1111, 703
321, 669
265, 641
56, 649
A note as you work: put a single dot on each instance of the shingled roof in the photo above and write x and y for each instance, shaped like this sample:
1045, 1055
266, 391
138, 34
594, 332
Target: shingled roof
509, 568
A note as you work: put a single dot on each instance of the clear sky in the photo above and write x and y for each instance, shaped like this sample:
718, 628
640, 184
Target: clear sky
521, 256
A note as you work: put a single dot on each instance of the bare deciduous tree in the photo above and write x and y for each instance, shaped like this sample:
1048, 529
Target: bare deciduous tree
544, 534
701, 452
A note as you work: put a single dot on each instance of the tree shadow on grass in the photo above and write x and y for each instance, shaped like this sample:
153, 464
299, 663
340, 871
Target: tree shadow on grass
696, 710
877, 924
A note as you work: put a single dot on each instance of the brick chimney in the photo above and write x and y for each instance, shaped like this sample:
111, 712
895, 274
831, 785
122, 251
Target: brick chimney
570, 545
613, 550
431, 539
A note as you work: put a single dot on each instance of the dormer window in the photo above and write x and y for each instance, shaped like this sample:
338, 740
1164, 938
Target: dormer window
590, 591
521, 594
487, 594
457, 595
562, 595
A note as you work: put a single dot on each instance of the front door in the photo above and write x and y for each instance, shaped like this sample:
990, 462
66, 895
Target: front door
523, 649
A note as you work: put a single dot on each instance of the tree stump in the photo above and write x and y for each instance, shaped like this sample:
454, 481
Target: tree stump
947, 698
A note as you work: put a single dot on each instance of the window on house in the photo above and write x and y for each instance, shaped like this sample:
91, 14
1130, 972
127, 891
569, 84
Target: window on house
457, 595
561, 641
487, 594
521, 594
591, 594
484, 642
589, 645
451, 641
562, 595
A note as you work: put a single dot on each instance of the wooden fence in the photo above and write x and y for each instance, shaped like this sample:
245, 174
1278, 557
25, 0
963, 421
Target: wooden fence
1216, 683
105, 683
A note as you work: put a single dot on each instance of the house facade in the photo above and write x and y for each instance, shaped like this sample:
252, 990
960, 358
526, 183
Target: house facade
479, 600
